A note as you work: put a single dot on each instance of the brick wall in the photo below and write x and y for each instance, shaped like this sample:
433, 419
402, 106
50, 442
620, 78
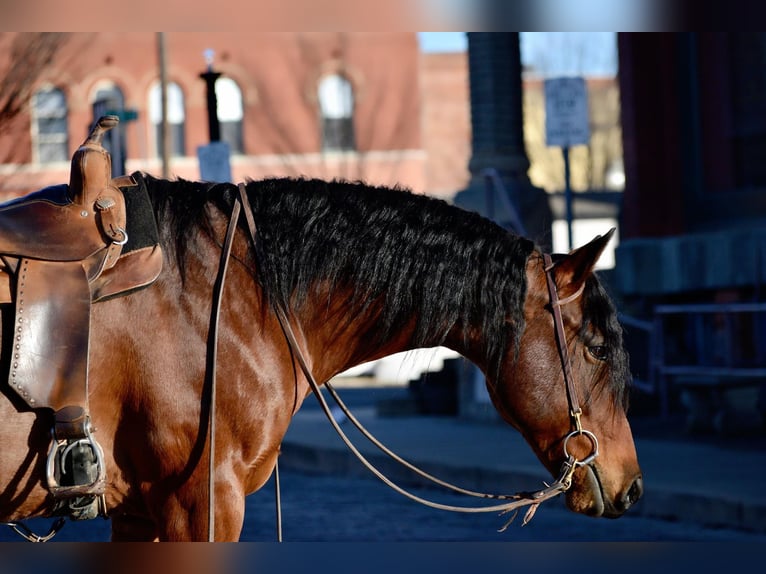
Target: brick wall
277, 74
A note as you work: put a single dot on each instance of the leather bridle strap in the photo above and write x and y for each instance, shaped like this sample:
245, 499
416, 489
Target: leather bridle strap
250, 220
519, 500
575, 411
558, 323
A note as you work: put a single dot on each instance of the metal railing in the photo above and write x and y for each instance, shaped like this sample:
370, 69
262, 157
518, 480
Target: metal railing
716, 345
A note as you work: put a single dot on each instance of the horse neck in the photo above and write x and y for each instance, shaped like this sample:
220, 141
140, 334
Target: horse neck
337, 342
336, 339
340, 339
471, 341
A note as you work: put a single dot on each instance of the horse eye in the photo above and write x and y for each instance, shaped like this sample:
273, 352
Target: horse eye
598, 352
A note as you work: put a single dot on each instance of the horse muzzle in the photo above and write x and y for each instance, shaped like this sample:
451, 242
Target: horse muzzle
589, 495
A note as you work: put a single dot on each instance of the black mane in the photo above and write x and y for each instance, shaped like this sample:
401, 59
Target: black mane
414, 256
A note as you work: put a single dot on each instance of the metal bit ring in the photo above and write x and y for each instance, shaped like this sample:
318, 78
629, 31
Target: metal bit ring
593, 440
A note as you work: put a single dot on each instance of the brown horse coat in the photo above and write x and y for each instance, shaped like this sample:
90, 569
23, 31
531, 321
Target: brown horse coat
364, 272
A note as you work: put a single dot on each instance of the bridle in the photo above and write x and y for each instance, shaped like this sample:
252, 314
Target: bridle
517, 501
575, 411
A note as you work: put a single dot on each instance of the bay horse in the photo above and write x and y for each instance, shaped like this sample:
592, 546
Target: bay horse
360, 272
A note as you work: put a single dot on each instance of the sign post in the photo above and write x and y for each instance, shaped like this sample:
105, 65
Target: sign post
566, 124
215, 157
214, 164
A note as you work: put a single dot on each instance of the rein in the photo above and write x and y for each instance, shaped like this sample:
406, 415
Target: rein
213, 352
561, 484
211, 362
518, 500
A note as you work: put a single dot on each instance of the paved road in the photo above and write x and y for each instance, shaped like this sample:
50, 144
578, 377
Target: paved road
321, 508
357, 509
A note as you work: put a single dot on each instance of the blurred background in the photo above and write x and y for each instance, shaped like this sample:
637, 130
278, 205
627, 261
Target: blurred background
673, 159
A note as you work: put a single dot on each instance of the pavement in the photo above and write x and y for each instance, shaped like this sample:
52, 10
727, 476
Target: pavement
707, 480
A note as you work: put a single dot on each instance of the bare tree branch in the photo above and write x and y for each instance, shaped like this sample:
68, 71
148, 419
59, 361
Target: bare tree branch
30, 55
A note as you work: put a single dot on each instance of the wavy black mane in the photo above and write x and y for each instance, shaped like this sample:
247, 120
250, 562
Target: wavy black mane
416, 256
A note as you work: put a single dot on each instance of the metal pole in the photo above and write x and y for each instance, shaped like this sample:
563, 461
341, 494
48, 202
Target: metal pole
568, 196
214, 126
164, 126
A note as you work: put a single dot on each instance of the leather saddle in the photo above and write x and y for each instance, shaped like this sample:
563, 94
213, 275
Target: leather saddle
62, 249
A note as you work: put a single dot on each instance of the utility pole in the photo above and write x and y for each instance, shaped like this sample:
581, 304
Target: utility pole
164, 126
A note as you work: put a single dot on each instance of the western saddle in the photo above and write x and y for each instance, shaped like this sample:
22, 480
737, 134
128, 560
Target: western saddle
62, 249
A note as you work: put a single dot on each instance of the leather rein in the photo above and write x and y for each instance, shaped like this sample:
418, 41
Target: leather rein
517, 501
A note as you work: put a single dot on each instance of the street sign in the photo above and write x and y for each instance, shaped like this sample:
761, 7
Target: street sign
566, 112
125, 115
214, 162
566, 125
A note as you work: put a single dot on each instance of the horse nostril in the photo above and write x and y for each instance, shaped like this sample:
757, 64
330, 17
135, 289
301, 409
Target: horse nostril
634, 493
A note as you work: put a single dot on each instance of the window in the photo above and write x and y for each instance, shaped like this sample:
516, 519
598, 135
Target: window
109, 99
229, 98
50, 133
336, 106
176, 118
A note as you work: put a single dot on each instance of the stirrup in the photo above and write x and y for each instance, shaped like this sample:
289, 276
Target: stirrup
66, 458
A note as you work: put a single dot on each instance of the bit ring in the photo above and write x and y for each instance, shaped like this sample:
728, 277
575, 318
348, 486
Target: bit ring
594, 443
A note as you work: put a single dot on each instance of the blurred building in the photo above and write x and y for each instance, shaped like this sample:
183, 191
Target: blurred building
372, 107
693, 252
682, 128
364, 106
693, 220
692, 217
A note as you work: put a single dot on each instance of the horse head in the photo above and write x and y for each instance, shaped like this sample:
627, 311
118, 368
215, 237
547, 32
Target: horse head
585, 417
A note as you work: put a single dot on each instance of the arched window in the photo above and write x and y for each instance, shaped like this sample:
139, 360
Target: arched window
50, 134
109, 99
176, 118
336, 106
229, 98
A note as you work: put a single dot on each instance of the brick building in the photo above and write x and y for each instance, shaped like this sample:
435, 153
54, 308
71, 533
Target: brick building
352, 105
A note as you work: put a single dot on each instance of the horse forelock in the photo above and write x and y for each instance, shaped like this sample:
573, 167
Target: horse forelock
412, 256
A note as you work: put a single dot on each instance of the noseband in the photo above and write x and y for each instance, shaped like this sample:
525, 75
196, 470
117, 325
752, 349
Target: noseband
519, 500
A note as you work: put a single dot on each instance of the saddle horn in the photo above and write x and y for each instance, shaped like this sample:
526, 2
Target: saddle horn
91, 165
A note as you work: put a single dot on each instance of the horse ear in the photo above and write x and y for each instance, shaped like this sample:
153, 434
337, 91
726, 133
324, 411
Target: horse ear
573, 269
